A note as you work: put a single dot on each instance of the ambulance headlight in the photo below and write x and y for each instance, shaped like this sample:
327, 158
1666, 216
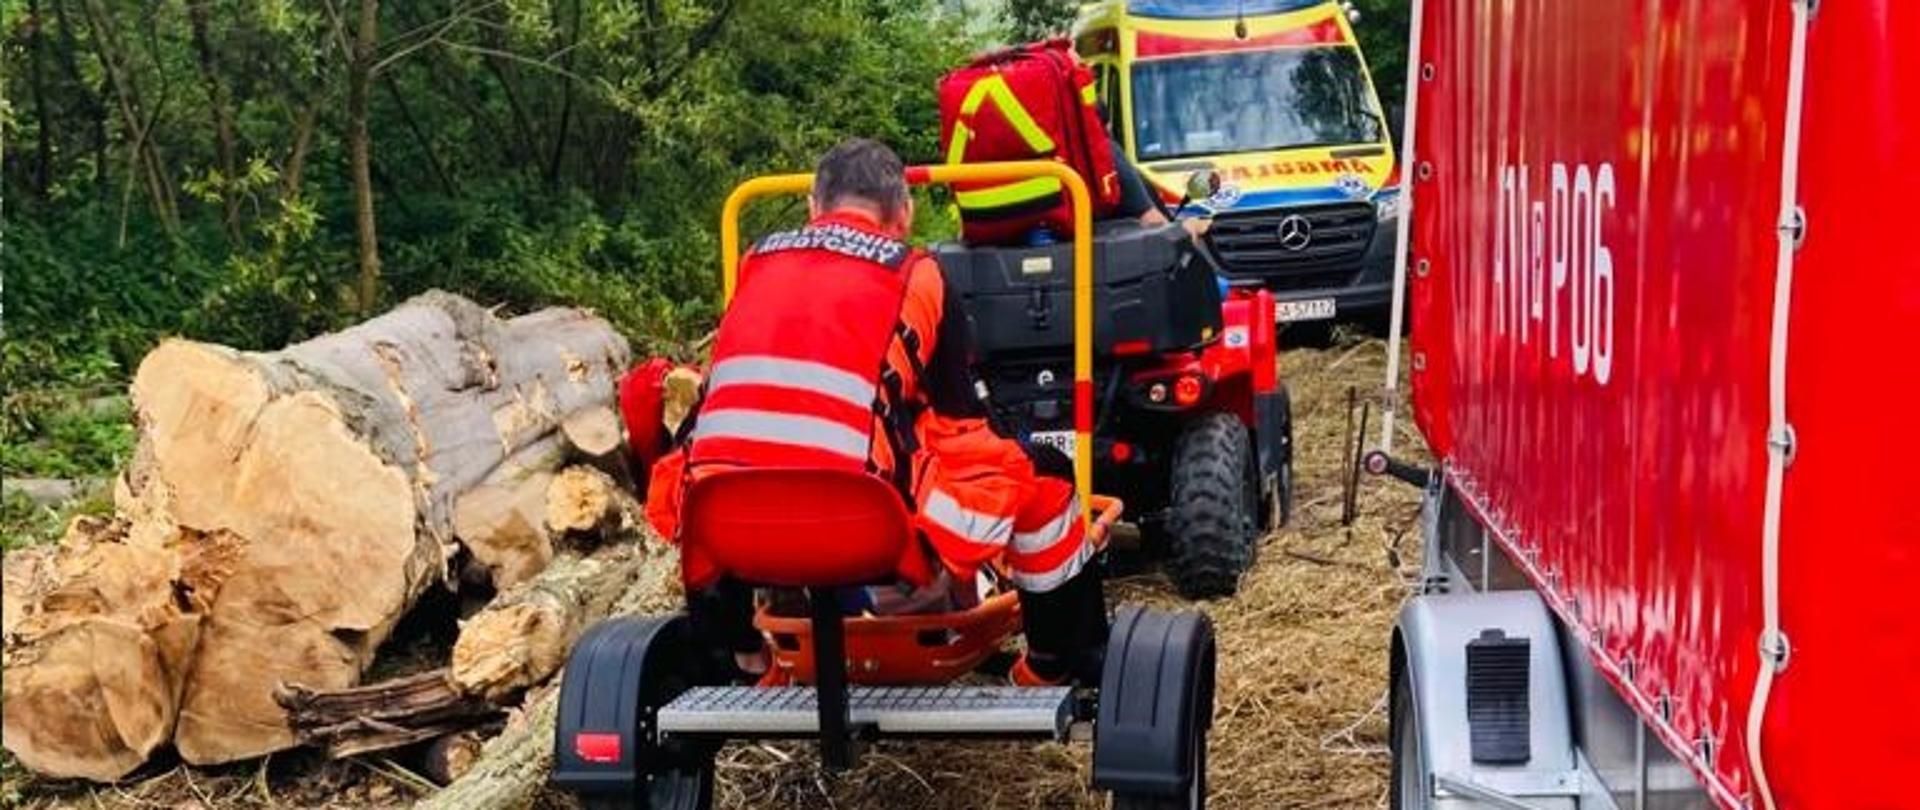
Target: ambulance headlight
1387, 206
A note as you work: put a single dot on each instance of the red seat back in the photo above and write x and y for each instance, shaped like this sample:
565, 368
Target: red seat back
798, 528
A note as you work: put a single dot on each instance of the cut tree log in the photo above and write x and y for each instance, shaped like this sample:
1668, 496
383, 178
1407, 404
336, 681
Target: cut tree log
587, 506
389, 714
502, 520
514, 765
336, 465
597, 439
523, 636
98, 636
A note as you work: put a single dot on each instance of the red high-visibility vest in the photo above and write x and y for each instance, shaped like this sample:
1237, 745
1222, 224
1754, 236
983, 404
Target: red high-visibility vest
796, 379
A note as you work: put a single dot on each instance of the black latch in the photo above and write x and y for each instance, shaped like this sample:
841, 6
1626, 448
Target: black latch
1039, 307
1497, 692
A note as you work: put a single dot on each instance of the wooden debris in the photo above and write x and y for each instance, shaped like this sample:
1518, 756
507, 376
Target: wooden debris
389, 714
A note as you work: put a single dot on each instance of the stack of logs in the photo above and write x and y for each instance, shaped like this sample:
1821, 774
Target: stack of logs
284, 511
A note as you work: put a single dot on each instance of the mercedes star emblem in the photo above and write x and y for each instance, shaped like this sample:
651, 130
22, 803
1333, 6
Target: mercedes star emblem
1296, 233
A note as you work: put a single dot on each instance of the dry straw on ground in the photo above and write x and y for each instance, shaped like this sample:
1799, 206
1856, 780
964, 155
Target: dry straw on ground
1299, 718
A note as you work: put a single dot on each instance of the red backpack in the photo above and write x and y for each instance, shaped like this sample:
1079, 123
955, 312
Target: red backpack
1025, 103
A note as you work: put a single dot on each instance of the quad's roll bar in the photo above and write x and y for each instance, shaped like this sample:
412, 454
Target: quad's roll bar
1076, 189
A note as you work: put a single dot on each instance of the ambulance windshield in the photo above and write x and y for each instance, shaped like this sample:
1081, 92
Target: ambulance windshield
1251, 101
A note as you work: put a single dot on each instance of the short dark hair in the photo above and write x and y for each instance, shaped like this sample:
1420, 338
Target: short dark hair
863, 169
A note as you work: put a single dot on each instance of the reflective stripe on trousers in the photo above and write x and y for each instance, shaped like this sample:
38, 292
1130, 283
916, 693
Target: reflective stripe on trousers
980, 528
1050, 543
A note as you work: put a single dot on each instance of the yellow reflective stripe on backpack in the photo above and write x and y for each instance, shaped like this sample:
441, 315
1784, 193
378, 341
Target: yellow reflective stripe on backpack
1008, 193
995, 87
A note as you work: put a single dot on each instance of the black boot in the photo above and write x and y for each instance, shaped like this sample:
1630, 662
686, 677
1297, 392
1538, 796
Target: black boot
721, 619
1067, 630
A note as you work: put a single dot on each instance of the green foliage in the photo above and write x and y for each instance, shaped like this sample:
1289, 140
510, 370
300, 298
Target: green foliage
1030, 20
525, 153
1383, 31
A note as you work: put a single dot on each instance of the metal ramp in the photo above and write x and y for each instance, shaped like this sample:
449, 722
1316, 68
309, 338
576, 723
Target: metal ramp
891, 710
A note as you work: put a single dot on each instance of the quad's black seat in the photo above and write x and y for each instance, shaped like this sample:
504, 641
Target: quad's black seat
1152, 293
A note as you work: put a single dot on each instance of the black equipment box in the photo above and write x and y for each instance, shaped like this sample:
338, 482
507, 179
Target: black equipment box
1151, 290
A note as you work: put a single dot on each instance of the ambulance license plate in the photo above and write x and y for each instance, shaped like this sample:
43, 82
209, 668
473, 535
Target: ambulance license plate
1311, 309
1062, 440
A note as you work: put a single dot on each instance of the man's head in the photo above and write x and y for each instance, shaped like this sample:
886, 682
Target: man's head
866, 176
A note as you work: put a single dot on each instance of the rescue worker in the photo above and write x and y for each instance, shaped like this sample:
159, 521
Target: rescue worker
818, 315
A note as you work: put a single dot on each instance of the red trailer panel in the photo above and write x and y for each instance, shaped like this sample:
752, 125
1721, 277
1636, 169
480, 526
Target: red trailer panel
1596, 254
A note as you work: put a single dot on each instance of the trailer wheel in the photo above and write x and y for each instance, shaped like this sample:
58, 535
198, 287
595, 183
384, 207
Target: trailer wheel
1409, 789
1196, 798
1155, 709
1212, 507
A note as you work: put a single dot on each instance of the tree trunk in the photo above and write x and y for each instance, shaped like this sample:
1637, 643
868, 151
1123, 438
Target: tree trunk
523, 637
360, 151
337, 463
219, 107
43, 171
513, 766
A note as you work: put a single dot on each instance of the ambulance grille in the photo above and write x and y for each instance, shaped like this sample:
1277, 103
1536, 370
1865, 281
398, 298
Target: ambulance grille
1250, 243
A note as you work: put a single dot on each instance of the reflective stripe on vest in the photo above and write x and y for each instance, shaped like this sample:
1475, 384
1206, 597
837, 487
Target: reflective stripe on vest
975, 527
793, 430
786, 372
795, 380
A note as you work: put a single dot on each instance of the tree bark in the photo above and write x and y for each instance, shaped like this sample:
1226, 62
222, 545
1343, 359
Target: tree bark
338, 463
381, 716
360, 151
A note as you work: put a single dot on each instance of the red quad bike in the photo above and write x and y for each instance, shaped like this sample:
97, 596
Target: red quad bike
643, 706
1193, 430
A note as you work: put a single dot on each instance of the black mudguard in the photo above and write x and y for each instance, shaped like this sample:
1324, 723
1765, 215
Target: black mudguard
1156, 702
620, 671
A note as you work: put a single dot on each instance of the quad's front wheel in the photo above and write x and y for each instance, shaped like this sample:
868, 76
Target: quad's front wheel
1213, 507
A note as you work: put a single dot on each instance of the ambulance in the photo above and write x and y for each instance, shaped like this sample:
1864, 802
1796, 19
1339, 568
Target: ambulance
1275, 97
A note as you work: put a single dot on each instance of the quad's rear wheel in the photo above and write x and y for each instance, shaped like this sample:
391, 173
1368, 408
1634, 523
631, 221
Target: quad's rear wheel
1213, 507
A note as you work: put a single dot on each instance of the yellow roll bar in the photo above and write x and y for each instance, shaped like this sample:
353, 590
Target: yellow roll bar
1076, 188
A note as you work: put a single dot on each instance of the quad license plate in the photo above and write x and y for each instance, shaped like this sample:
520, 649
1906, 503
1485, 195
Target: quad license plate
1062, 440
1311, 309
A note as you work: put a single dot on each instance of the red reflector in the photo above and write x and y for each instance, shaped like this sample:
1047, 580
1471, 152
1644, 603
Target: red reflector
1127, 348
1186, 390
1122, 452
597, 747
